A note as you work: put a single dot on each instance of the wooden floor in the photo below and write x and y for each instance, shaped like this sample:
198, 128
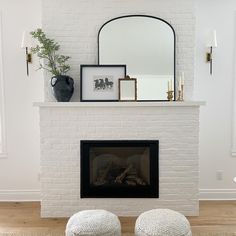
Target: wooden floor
215, 216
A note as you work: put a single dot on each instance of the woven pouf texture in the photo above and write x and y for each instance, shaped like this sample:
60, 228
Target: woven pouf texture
162, 222
93, 222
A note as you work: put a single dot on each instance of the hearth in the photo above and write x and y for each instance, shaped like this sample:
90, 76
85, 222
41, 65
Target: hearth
119, 168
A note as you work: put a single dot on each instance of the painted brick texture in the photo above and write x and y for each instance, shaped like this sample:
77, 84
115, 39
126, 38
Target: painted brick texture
75, 24
176, 128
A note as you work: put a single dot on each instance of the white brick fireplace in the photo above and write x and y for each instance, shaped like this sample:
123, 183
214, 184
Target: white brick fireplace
75, 24
63, 125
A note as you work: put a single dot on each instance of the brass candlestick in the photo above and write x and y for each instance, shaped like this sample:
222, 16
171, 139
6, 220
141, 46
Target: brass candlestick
181, 94
170, 95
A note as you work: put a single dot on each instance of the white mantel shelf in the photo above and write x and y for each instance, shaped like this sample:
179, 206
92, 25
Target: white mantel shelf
119, 104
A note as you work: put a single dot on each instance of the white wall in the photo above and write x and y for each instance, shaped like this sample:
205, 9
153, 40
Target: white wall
216, 90
19, 171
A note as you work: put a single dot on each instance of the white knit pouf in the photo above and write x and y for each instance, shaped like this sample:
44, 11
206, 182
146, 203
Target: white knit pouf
162, 222
93, 222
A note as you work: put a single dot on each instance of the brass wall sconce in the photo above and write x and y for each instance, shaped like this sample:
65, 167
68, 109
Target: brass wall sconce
212, 43
26, 44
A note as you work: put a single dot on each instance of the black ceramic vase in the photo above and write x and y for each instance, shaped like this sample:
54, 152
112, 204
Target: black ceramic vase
62, 87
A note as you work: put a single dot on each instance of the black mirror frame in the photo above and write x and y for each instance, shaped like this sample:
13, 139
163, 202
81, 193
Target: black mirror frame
125, 16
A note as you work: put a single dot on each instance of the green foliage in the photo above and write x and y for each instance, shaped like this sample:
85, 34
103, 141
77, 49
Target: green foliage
47, 50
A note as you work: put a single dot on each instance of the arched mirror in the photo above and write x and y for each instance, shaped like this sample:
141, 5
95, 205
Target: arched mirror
146, 44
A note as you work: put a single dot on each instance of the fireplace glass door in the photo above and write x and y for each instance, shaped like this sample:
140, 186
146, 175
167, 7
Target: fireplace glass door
119, 168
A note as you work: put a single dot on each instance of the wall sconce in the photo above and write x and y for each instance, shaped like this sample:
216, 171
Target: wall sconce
212, 43
26, 44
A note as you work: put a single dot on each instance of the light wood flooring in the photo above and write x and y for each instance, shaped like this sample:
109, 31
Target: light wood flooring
215, 216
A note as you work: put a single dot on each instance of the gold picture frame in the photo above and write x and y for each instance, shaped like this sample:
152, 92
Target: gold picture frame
127, 89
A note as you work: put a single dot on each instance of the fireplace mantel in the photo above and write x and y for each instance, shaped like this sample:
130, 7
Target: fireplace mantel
120, 104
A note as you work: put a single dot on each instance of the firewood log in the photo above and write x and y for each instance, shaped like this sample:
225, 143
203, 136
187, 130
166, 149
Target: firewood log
140, 181
101, 179
132, 183
119, 179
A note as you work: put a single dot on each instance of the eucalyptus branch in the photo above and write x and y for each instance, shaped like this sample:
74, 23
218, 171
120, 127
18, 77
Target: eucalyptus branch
47, 50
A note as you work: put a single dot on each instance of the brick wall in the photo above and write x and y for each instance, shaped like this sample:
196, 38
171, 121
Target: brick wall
75, 24
62, 128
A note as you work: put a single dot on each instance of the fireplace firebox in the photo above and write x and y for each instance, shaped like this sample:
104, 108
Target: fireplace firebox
119, 169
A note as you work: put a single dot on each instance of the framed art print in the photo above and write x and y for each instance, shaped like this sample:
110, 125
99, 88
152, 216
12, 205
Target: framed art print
100, 82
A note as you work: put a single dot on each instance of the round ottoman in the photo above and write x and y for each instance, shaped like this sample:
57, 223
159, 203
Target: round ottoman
93, 222
162, 222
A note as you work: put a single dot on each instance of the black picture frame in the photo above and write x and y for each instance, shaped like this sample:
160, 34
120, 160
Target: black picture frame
102, 68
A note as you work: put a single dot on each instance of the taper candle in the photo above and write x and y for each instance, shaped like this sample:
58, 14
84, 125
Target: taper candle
182, 80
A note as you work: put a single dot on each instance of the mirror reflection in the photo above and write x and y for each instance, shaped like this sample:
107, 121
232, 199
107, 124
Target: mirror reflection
147, 46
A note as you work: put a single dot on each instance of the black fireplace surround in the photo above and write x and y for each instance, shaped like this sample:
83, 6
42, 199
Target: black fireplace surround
119, 169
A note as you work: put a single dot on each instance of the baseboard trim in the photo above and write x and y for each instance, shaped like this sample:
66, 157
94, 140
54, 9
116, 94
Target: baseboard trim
217, 194
34, 195
19, 195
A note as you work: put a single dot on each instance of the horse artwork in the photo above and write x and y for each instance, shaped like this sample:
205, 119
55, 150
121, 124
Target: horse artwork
103, 83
